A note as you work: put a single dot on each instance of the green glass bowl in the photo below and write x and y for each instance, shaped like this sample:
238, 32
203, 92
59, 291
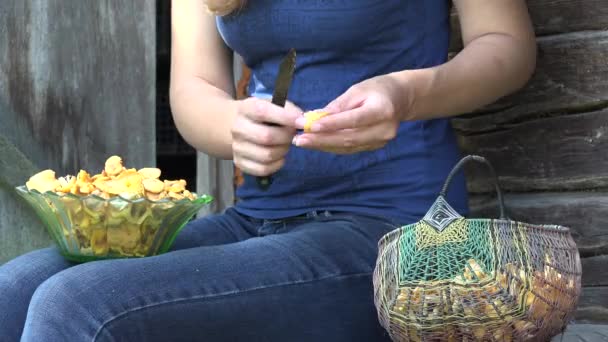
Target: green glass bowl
93, 228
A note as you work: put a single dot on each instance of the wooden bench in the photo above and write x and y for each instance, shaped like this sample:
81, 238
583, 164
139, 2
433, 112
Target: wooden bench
583, 333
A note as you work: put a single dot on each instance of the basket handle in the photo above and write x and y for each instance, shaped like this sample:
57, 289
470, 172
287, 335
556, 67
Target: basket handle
489, 166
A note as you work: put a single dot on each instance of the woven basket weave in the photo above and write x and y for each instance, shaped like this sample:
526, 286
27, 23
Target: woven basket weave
450, 278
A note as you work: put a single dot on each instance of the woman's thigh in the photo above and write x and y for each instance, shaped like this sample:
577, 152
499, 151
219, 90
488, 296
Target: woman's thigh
217, 229
309, 281
19, 278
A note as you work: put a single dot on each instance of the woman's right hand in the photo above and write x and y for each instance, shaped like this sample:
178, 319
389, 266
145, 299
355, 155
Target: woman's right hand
261, 135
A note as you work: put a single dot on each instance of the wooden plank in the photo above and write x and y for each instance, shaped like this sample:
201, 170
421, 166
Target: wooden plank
571, 77
555, 16
20, 228
583, 333
215, 177
560, 16
81, 78
593, 305
556, 153
14, 165
584, 213
592, 245
592, 314
594, 296
594, 271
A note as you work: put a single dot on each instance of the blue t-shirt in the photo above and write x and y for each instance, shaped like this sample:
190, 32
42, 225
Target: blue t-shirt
340, 43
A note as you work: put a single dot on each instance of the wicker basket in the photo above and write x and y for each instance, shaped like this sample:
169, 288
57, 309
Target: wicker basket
450, 278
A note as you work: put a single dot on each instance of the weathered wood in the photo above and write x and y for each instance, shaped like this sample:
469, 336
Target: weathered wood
215, 178
584, 213
595, 271
571, 76
557, 153
592, 314
593, 305
560, 16
592, 245
14, 166
81, 77
594, 296
555, 16
20, 228
583, 333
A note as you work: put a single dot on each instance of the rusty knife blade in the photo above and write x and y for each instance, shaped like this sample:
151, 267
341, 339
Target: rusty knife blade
279, 95
284, 78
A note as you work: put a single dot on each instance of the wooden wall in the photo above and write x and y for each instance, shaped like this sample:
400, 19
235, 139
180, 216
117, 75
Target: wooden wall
77, 84
549, 141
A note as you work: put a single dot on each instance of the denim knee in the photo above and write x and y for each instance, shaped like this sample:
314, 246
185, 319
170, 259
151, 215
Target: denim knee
63, 309
14, 303
19, 278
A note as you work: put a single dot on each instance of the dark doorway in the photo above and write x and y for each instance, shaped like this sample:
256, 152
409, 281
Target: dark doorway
174, 156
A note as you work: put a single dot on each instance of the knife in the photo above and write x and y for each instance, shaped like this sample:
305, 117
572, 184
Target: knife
279, 96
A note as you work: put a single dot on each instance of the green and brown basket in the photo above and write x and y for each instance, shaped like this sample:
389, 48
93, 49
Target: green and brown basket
451, 278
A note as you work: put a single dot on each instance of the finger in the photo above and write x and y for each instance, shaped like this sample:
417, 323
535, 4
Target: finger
288, 105
292, 107
352, 98
259, 154
347, 139
255, 168
264, 111
262, 134
349, 119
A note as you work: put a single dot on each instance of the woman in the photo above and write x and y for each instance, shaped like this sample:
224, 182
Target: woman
293, 262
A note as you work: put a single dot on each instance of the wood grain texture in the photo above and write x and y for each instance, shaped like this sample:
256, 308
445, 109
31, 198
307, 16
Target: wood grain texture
556, 153
595, 272
215, 177
14, 165
554, 17
583, 333
583, 212
81, 77
20, 228
560, 16
571, 77
593, 305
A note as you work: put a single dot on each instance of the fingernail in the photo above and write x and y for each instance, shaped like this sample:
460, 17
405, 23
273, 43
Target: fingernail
331, 108
299, 141
315, 127
300, 122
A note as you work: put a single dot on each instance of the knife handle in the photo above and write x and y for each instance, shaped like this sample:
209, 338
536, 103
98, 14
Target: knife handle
265, 181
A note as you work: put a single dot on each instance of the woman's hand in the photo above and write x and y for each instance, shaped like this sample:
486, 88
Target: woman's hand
366, 117
261, 135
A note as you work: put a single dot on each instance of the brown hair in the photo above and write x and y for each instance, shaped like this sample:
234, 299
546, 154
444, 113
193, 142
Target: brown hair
224, 7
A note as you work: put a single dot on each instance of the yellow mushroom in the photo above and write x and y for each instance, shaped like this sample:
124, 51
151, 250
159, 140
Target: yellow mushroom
311, 117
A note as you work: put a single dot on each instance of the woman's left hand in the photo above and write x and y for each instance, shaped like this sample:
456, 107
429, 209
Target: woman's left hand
366, 117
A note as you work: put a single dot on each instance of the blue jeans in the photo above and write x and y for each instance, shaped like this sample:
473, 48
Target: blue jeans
228, 278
